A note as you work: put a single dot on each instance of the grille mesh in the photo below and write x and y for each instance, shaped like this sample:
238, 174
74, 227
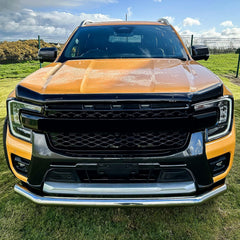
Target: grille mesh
143, 114
163, 140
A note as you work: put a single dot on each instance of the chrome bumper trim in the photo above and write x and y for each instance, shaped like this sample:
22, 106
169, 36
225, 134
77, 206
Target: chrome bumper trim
119, 188
119, 202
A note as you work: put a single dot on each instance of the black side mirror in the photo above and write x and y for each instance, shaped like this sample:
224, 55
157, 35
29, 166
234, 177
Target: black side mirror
200, 52
47, 54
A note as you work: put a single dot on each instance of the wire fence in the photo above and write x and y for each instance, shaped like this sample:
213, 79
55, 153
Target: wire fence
215, 45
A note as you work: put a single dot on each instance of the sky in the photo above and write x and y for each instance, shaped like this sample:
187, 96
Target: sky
54, 20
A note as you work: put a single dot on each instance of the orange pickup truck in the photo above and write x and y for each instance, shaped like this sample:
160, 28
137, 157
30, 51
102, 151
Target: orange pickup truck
124, 116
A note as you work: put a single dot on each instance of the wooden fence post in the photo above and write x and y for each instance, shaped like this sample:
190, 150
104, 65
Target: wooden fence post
238, 65
39, 46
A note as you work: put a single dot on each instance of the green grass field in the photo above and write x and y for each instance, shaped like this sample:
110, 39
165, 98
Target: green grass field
22, 219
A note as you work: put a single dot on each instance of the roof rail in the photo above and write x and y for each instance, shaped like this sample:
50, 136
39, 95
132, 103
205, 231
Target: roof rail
85, 22
164, 21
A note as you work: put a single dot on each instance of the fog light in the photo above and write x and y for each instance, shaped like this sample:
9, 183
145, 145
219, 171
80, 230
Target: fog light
219, 164
21, 165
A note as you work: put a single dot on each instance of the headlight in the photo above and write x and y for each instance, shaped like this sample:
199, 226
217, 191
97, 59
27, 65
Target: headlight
224, 107
14, 110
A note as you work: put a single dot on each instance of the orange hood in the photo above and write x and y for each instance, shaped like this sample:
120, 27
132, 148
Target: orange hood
120, 76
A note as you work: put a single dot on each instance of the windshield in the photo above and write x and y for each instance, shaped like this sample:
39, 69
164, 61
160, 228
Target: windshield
124, 41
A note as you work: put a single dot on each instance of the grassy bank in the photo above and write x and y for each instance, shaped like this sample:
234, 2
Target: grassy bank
22, 219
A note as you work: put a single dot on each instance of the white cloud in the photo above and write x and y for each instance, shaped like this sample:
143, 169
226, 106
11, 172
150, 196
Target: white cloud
129, 11
170, 19
227, 24
190, 22
231, 32
212, 33
51, 26
19, 4
157, 0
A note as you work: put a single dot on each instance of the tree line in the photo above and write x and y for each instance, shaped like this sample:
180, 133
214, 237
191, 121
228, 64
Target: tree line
22, 50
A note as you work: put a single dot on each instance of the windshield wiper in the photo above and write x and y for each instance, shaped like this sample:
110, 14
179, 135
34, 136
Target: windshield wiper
181, 58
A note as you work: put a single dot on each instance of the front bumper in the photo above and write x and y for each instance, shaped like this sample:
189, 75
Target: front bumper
119, 202
182, 193
195, 153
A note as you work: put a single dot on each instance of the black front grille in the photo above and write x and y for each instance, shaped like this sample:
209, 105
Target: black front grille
118, 114
163, 140
116, 127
